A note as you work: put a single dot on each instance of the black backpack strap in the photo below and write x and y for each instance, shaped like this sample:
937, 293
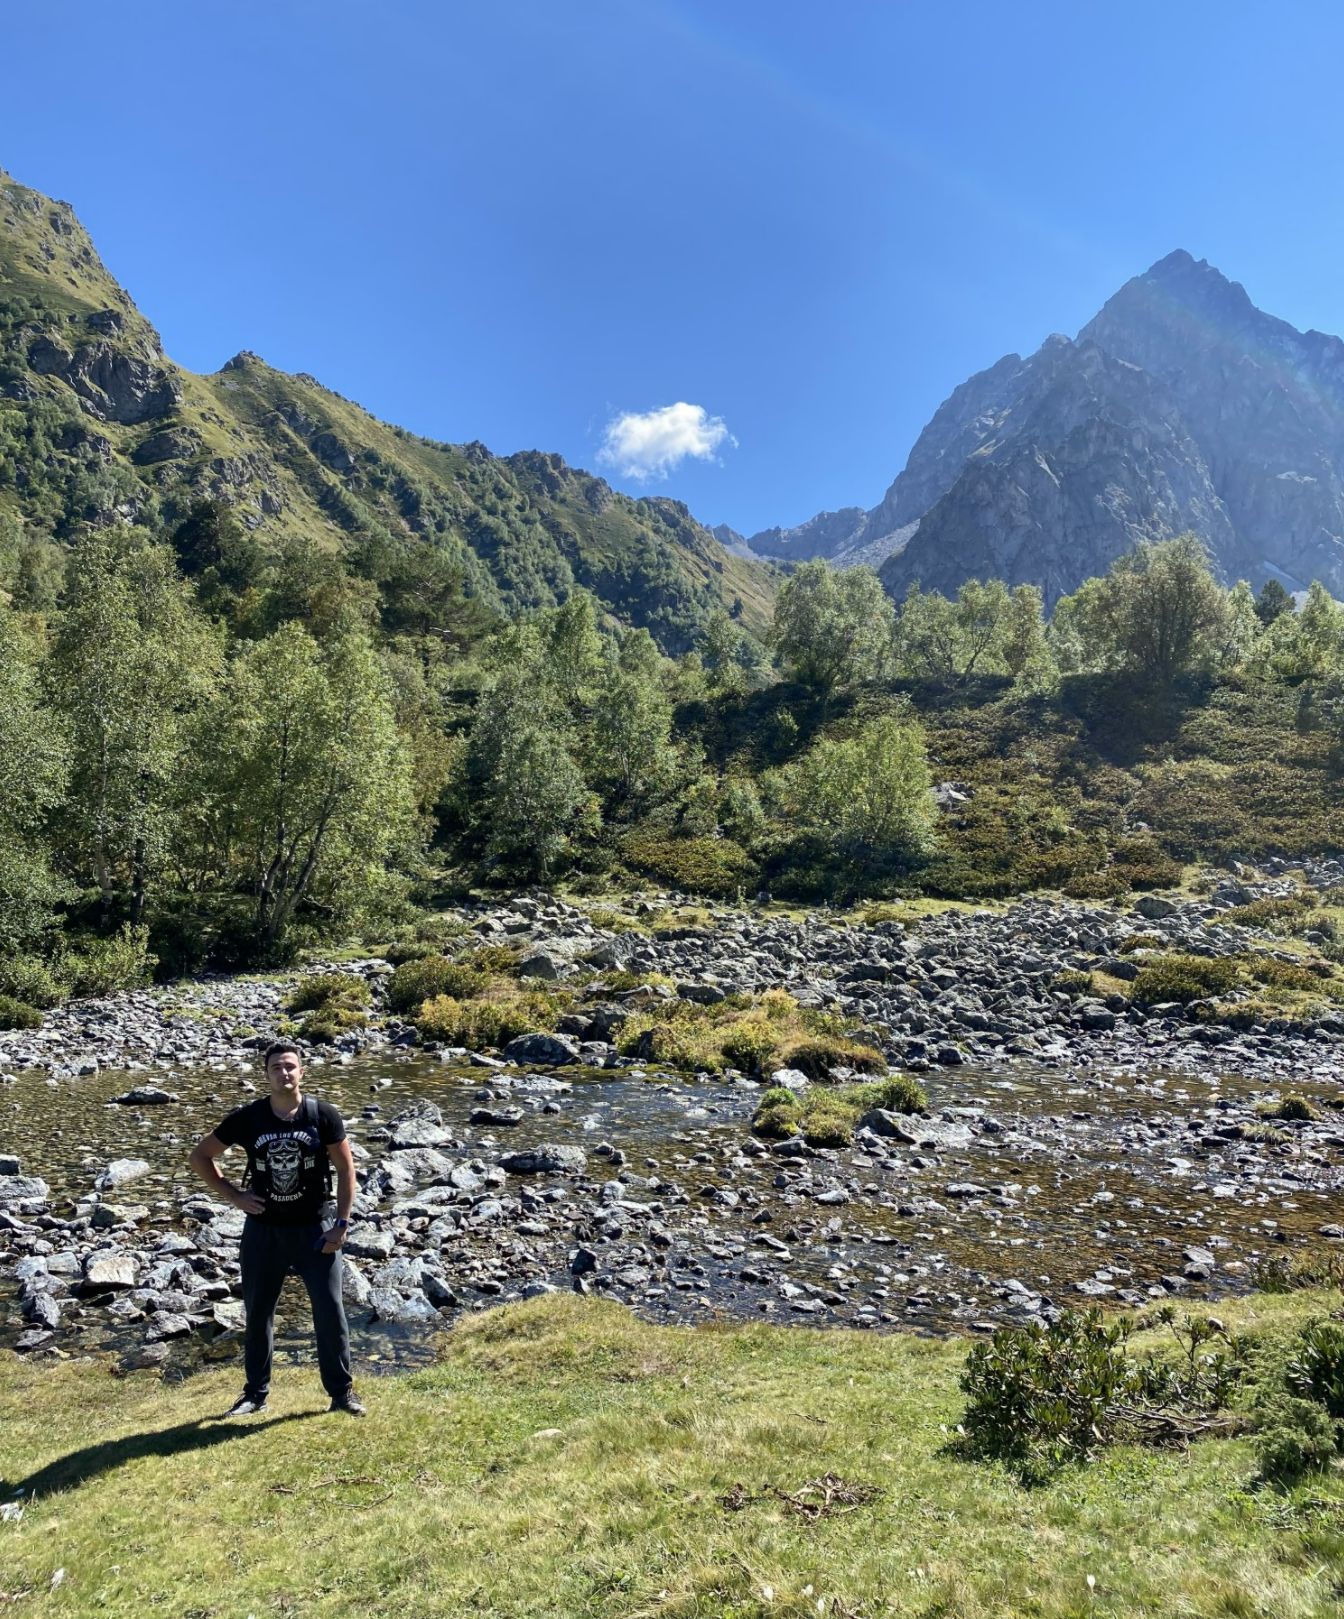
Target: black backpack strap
314, 1121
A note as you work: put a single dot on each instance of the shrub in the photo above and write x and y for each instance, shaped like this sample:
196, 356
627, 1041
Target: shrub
480, 1023
494, 960
1139, 941
1184, 979
778, 1114
900, 1093
1043, 1396
716, 866
410, 950
1291, 1108
415, 982
1096, 885
1073, 983
1282, 974
623, 980
828, 1124
17, 1015
750, 1045
662, 1043
328, 989
93, 966
326, 1023
1160, 874
818, 1056
1265, 913
31, 980
1300, 1405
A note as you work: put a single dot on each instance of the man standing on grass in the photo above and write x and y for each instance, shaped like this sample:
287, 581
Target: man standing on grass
292, 1143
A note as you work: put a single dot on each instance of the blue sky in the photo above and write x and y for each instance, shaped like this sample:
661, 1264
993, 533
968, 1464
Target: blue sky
520, 221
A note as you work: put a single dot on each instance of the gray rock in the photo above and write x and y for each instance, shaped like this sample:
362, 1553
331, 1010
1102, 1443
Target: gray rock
1154, 907
119, 1171
367, 1243
550, 1158
547, 1050
22, 1189
107, 1267
146, 1096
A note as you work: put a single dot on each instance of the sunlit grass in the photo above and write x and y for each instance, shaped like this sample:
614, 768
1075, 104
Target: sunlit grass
566, 1459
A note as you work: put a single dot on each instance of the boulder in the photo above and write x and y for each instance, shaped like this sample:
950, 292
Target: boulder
547, 1050
548, 1159
119, 1171
1154, 907
145, 1096
23, 1189
108, 1267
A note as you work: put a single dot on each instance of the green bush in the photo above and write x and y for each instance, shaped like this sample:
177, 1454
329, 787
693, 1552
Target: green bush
478, 1024
1096, 885
716, 866
1043, 1396
428, 977
1291, 1108
494, 960
16, 1015
1266, 913
1139, 941
31, 980
778, 1114
1278, 974
1184, 979
327, 1022
1159, 874
328, 989
93, 966
1073, 983
410, 950
818, 1056
750, 1045
828, 1124
900, 1093
1300, 1405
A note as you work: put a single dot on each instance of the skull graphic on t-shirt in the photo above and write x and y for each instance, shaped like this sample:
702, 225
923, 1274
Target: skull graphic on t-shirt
284, 1157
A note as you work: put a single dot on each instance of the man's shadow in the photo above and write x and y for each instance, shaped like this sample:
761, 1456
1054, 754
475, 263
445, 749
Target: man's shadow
68, 1472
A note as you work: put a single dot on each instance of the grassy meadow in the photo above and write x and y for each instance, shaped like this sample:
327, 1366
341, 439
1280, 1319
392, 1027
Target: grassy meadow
564, 1458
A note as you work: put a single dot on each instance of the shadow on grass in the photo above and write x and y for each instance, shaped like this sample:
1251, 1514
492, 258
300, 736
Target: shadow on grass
69, 1472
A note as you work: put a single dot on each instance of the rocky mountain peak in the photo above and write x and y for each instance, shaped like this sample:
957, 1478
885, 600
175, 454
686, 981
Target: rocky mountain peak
1179, 406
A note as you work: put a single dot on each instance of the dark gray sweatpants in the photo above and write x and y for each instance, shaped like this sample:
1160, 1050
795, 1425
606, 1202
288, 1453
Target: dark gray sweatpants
268, 1254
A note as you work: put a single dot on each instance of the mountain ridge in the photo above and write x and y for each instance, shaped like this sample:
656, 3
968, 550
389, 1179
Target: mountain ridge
1179, 407
98, 425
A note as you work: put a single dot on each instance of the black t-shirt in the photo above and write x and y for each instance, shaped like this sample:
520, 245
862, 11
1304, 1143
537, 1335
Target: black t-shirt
287, 1161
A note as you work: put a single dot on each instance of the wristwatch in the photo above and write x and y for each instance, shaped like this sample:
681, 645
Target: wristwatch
340, 1222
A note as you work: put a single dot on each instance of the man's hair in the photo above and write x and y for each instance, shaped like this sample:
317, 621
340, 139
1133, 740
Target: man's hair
280, 1048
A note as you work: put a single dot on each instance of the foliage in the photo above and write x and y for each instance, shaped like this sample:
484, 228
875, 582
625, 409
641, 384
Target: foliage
426, 977
302, 793
1043, 1396
1184, 978
1157, 614
478, 1024
31, 979
1072, 983
328, 989
831, 628
868, 797
1293, 1108
988, 629
18, 1015
35, 754
91, 966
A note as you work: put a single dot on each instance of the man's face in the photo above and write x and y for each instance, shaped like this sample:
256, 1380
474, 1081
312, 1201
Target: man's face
284, 1071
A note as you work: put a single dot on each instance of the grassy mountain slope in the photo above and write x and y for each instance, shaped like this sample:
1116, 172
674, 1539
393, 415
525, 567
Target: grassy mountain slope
97, 425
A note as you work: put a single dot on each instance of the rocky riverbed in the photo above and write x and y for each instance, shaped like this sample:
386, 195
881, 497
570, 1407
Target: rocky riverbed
1072, 1149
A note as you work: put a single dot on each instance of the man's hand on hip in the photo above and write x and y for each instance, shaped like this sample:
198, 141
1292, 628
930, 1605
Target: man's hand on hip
249, 1202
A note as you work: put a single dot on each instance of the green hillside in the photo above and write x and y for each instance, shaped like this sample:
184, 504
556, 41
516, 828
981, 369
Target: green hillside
97, 425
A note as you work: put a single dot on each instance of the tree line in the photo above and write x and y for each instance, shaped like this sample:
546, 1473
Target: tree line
210, 754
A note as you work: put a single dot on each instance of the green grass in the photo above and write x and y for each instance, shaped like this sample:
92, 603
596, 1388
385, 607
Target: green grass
564, 1459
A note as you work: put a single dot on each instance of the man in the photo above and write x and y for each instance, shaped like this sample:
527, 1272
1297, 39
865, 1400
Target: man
292, 1144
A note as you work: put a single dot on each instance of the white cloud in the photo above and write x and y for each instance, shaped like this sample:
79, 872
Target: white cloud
652, 443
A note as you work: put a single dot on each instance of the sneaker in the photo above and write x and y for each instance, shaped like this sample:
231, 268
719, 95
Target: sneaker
350, 1404
249, 1405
